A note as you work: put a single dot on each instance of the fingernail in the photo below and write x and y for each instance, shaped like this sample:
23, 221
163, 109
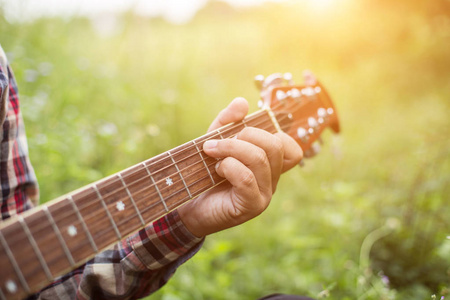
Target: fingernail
218, 164
210, 144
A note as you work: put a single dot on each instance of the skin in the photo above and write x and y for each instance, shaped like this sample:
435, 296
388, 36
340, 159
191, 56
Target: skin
252, 163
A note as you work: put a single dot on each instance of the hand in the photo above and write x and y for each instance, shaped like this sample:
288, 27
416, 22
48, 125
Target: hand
252, 163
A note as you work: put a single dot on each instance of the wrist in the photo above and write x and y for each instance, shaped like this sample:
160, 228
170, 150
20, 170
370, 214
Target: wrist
190, 221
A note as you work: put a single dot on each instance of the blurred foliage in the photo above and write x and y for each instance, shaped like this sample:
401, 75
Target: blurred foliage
366, 219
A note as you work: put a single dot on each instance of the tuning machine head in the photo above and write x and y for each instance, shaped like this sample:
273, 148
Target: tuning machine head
288, 78
259, 81
273, 80
313, 150
308, 105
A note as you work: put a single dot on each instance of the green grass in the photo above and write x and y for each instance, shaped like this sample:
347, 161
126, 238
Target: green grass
376, 198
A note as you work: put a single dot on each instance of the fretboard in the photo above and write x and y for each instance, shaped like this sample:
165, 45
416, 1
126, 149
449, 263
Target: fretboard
61, 235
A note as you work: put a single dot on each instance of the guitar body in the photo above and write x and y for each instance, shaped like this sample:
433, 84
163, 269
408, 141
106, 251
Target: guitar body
54, 238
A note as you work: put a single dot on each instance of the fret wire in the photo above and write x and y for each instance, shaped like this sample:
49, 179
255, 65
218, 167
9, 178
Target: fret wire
204, 162
2, 296
195, 173
181, 176
14, 263
149, 207
220, 134
119, 236
214, 162
255, 116
156, 186
274, 120
59, 236
88, 234
186, 198
182, 200
131, 197
35, 248
201, 178
262, 113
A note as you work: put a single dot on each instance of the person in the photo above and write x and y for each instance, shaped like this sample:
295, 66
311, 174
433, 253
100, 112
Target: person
144, 262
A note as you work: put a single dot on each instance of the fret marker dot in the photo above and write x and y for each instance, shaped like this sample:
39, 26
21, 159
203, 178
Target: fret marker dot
169, 181
72, 230
11, 286
120, 206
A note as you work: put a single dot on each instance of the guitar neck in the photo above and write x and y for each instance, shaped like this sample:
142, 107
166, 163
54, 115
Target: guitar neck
61, 235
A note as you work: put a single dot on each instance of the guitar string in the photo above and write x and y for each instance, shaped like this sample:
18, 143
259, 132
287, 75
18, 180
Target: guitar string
133, 216
198, 152
167, 166
182, 200
213, 136
179, 202
139, 168
84, 242
232, 127
111, 205
158, 203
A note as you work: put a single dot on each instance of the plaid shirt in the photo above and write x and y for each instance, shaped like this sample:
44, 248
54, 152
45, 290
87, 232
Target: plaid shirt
133, 268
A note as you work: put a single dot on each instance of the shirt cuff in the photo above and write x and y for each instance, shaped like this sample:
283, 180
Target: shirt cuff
163, 242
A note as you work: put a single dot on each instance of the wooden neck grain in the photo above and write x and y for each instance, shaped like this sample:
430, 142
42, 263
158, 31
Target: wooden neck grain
63, 234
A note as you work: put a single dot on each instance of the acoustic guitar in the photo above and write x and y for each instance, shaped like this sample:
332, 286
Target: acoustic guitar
58, 236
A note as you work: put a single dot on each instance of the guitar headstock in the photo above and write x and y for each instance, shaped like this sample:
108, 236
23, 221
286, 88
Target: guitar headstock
303, 111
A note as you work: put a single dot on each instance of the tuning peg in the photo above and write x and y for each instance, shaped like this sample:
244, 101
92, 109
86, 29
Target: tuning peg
309, 78
288, 78
302, 133
315, 149
295, 93
322, 112
281, 95
260, 103
313, 123
259, 81
308, 91
301, 163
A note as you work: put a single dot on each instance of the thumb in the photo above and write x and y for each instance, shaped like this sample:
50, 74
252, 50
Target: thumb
234, 112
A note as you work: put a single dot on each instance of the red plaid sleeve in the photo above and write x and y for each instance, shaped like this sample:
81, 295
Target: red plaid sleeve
133, 268
19, 189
